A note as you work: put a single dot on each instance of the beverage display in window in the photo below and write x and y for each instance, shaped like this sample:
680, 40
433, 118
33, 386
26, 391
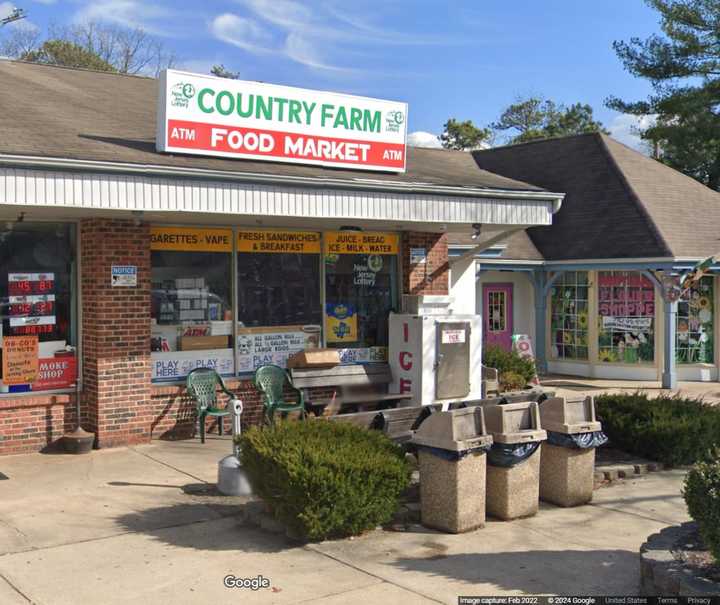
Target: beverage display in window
569, 316
626, 322
695, 335
191, 312
38, 327
278, 288
361, 290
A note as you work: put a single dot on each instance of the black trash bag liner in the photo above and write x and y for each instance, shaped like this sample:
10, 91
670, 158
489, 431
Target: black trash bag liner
452, 455
578, 441
510, 454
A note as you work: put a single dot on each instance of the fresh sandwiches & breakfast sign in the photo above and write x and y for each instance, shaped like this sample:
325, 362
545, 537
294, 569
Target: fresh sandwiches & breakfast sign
205, 115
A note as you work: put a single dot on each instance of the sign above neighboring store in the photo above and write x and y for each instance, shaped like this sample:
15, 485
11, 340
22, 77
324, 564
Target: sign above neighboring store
204, 115
361, 242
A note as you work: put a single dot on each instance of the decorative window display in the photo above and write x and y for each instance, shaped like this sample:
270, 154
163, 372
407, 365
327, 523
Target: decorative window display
626, 322
278, 288
569, 319
38, 328
360, 291
191, 301
694, 337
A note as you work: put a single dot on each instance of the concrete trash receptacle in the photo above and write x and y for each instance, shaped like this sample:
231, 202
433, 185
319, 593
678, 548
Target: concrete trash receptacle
451, 454
513, 472
567, 463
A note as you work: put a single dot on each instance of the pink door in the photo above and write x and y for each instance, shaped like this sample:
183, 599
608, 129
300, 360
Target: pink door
498, 314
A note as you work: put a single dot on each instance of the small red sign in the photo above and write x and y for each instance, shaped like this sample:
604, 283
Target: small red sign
56, 373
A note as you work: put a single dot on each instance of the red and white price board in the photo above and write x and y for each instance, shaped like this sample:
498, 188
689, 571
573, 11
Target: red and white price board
32, 303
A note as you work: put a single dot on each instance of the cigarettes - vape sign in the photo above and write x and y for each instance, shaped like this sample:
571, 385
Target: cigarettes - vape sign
205, 115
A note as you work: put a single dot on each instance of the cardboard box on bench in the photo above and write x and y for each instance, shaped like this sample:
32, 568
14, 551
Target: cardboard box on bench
314, 358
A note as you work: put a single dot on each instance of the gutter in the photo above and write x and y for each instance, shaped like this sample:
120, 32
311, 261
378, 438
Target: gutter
154, 170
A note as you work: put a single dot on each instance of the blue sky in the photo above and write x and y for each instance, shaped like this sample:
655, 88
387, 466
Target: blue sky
463, 59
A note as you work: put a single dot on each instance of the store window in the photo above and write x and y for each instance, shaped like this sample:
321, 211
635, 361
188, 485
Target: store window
191, 310
38, 311
626, 322
569, 319
361, 289
278, 289
694, 337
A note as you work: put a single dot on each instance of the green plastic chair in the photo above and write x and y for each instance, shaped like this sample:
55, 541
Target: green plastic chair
202, 386
270, 381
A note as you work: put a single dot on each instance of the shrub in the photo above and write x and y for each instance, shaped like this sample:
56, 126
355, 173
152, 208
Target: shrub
509, 361
702, 496
512, 381
672, 430
325, 479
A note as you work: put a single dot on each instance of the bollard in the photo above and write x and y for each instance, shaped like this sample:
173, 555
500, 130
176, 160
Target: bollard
232, 479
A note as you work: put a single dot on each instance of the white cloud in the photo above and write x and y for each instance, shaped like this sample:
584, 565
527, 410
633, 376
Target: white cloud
625, 127
241, 32
420, 138
302, 51
152, 18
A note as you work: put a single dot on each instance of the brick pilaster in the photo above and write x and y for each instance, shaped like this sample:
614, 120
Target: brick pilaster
116, 332
431, 277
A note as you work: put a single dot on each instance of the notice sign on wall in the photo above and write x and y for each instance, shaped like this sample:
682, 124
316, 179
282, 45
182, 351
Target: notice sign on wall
361, 242
279, 241
123, 276
205, 115
20, 359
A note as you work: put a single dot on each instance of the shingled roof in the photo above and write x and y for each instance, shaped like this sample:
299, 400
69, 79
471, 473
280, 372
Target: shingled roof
618, 204
57, 112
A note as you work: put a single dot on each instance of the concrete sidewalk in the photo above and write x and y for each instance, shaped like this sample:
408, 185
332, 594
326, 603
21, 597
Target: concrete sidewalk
140, 525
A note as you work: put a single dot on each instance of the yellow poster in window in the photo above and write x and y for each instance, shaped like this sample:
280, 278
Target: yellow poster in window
265, 241
188, 239
341, 323
20, 359
361, 242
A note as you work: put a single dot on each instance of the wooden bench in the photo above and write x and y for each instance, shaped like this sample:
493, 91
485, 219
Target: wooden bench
399, 423
355, 387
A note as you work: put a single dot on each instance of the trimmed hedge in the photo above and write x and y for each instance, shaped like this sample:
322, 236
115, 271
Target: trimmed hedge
702, 496
508, 361
325, 479
512, 381
672, 430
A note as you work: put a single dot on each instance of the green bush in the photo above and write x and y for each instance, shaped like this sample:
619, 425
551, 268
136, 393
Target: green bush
702, 496
672, 430
325, 479
512, 381
508, 361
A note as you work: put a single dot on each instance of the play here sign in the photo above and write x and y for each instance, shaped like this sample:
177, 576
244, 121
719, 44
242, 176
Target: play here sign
205, 115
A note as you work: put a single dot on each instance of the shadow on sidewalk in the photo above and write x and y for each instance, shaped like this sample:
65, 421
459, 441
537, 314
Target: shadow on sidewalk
535, 572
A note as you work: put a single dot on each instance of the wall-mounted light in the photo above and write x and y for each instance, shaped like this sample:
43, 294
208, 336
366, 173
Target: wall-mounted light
477, 228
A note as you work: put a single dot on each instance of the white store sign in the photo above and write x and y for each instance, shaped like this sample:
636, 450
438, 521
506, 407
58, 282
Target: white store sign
204, 115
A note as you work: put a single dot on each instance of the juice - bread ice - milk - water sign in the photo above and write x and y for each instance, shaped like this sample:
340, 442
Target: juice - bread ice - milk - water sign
205, 115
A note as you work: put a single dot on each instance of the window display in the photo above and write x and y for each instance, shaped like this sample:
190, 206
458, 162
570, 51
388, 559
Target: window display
278, 289
626, 322
38, 333
361, 290
191, 310
694, 337
569, 323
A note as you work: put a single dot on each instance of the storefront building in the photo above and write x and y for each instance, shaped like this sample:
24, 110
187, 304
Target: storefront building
123, 267
588, 289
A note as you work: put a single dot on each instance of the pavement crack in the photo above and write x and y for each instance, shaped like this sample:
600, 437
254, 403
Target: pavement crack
16, 589
10, 526
368, 573
632, 514
149, 457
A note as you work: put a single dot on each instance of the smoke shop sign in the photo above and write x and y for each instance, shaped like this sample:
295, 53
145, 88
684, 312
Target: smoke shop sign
204, 115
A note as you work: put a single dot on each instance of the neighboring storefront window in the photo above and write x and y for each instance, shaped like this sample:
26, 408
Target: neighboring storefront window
360, 291
569, 319
278, 289
191, 310
39, 327
626, 322
694, 338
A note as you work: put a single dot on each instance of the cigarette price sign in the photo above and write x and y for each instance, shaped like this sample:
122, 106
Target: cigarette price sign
32, 303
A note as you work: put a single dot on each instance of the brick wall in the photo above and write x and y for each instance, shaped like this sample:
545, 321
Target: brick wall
34, 423
116, 332
431, 277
